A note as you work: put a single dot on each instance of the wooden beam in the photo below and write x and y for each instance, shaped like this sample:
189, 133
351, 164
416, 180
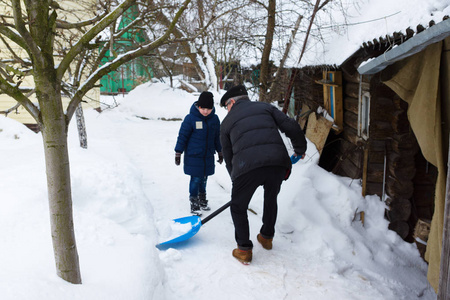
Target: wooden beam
364, 175
444, 278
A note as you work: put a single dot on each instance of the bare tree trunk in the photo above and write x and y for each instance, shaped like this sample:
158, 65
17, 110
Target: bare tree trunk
265, 59
59, 188
81, 125
277, 87
41, 36
201, 14
317, 7
163, 20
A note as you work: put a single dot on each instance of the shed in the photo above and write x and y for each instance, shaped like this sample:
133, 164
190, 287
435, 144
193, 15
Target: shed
418, 72
390, 101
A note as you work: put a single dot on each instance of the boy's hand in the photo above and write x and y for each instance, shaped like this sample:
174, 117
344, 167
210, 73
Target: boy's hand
177, 158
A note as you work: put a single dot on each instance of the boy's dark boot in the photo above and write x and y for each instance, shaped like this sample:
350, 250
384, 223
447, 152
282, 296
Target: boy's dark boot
244, 256
203, 201
266, 243
195, 206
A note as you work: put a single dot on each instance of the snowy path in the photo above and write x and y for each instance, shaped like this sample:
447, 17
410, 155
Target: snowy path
126, 190
203, 268
271, 275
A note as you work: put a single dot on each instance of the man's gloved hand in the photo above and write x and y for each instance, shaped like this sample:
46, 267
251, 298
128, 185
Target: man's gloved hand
296, 157
177, 158
220, 161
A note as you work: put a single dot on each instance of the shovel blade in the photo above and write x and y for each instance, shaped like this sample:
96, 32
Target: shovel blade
195, 223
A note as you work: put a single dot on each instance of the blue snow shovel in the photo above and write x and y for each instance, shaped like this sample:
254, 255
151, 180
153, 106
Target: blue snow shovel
195, 222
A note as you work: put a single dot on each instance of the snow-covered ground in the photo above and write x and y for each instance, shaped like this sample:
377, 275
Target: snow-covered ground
127, 189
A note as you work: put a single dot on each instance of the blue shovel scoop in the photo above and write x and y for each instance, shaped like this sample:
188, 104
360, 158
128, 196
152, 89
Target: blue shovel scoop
195, 222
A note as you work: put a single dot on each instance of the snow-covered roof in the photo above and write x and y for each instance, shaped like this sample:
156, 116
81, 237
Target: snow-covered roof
367, 20
412, 46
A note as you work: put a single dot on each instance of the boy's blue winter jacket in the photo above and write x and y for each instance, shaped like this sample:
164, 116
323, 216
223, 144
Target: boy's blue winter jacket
199, 139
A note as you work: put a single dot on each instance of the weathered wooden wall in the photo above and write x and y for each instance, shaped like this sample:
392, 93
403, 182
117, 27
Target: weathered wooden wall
393, 154
396, 168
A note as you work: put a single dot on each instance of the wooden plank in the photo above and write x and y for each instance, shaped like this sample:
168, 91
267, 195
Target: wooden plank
384, 103
364, 174
332, 96
351, 119
374, 188
380, 113
405, 142
353, 153
351, 135
317, 130
402, 189
354, 78
304, 115
376, 157
352, 90
400, 227
397, 160
400, 122
351, 104
444, 278
326, 93
375, 172
402, 174
380, 129
338, 101
349, 169
377, 145
399, 209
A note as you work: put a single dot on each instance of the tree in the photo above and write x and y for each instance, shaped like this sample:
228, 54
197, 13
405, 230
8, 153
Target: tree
194, 35
63, 59
265, 59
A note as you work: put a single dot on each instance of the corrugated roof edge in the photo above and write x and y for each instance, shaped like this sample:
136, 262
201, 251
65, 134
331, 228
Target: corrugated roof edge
410, 47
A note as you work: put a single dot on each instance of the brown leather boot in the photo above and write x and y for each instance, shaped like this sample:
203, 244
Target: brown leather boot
244, 256
266, 243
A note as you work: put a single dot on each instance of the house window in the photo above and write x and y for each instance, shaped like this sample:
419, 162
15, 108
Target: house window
365, 115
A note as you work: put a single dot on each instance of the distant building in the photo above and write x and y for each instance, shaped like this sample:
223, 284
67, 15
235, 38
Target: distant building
133, 73
9, 106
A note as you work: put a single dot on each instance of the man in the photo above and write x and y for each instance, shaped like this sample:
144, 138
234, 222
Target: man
255, 155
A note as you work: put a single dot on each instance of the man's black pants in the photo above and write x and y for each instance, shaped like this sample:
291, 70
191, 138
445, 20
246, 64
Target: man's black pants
243, 189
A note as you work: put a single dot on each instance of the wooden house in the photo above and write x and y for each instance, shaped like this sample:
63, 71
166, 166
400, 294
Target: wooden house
73, 12
133, 73
390, 105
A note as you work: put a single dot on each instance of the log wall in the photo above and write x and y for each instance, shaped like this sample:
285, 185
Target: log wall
393, 153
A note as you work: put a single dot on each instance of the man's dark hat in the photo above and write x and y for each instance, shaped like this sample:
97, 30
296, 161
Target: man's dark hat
235, 91
205, 100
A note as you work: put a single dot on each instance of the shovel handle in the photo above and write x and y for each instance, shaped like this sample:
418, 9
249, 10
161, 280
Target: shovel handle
215, 213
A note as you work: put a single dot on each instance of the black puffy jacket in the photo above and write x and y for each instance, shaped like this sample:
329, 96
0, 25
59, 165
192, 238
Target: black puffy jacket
250, 138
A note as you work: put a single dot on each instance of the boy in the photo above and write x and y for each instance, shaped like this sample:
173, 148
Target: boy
199, 139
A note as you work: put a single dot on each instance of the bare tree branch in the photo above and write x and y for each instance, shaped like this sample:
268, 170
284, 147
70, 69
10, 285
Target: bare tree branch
90, 35
105, 69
